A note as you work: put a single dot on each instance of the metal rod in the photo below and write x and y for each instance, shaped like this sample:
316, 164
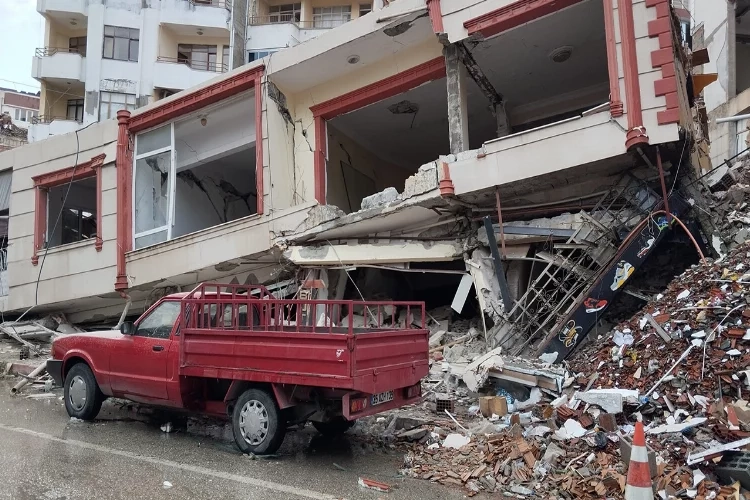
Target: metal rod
732, 118
500, 220
663, 185
499, 269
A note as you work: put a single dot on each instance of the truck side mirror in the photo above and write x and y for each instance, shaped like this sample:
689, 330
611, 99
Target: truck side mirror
127, 328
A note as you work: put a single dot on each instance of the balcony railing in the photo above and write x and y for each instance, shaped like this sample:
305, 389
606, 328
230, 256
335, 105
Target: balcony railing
51, 51
288, 19
50, 119
199, 66
226, 4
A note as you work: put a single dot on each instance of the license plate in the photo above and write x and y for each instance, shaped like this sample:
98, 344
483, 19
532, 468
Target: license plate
381, 398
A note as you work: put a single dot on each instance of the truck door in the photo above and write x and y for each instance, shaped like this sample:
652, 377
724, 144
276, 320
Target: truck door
139, 368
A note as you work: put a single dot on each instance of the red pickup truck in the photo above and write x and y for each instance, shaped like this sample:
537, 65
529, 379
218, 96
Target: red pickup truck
266, 363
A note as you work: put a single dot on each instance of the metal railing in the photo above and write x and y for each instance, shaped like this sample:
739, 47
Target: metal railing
289, 19
199, 66
226, 4
3, 259
229, 307
50, 118
51, 51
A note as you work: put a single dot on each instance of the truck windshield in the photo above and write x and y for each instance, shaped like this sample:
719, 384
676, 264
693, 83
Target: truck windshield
159, 323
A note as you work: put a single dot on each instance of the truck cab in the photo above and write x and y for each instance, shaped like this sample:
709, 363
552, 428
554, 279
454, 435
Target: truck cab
235, 351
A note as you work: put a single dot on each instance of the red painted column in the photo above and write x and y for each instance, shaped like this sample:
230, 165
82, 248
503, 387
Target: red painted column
636, 134
97, 163
615, 102
123, 163
40, 221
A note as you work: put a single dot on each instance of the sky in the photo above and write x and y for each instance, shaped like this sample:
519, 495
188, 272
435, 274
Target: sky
22, 33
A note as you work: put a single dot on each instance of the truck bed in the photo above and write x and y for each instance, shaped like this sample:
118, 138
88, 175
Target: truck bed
284, 344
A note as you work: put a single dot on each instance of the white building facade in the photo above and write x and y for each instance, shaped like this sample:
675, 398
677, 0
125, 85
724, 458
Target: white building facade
100, 56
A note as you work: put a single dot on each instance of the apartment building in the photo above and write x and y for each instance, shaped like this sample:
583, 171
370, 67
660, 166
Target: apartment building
522, 148
722, 28
99, 57
18, 109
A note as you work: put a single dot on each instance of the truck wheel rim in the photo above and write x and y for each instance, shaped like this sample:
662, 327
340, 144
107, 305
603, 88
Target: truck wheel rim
77, 393
254, 422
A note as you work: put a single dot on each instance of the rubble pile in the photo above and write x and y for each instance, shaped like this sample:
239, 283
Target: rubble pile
732, 203
529, 429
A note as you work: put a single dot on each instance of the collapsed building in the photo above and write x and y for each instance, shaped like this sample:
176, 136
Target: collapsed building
517, 161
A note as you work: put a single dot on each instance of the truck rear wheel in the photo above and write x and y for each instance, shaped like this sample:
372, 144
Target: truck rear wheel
334, 427
256, 423
83, 398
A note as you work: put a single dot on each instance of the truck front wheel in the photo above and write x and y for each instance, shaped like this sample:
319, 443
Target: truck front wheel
83, 399
256, 423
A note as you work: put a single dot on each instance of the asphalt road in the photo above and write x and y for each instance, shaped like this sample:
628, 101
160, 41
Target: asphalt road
125, 455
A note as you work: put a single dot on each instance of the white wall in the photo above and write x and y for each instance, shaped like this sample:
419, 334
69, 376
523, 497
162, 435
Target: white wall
71, 271
713, 15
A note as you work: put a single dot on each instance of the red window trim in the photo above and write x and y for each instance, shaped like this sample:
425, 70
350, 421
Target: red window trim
128, 126
44, 182
359, 98
513, 15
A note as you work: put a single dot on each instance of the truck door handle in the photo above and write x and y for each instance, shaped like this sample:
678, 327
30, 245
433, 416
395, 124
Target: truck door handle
158, 348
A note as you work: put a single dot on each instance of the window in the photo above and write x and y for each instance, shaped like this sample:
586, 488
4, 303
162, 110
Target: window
78, 44
364, 8
77, 225
159, 323
76, 211
225, 58
330, 17
202, 57
153, 186
18, 114
75, 110
67, 206
120, 43
254, 56
111, 102
287, 13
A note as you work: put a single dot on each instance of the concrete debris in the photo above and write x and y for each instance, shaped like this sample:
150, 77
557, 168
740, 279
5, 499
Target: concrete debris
609, 400
380, 199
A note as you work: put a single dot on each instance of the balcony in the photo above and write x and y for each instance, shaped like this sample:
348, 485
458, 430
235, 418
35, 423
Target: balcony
58, 64
190, 14
179, 74
61, 8
44, 127
267, 32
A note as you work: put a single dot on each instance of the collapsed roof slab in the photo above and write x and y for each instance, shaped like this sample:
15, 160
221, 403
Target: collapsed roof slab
388, 252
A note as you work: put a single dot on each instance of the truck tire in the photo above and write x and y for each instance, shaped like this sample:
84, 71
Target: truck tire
257, 424
334, 427
83, 398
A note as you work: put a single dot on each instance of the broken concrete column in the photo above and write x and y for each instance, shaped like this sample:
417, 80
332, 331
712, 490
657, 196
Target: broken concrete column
458, 118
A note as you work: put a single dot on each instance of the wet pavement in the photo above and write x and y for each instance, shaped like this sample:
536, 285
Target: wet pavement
124, 454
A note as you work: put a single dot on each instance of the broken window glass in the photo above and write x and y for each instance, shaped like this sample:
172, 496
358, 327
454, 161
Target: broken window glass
71, 212
152, 192
155, 139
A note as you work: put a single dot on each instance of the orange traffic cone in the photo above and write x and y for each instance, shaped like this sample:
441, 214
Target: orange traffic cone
638, 486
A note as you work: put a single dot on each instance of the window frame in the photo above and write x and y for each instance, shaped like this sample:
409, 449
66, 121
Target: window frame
76, 48
109, 94
150, 312
331, 11
44, 182
285, 16
114, 36
78, 104
198, 48
172, 184
364, 9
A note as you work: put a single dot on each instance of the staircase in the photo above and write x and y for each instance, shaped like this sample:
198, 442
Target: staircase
580, 277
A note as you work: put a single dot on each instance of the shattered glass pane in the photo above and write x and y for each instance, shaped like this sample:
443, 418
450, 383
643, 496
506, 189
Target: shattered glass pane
152, 192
